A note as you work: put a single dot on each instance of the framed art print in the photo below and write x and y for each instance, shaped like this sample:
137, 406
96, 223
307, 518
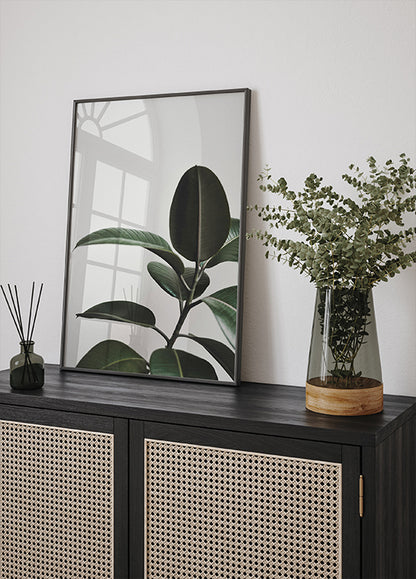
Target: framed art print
154, 252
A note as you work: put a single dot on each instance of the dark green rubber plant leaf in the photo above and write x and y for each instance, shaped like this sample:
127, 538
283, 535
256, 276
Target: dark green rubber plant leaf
223, 305
114, 355
229, 251
167, 279
121, 311
199, 215
219, 351
202, 284
121, 236
169, 362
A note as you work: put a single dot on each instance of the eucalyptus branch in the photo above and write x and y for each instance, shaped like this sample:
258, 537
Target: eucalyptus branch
347, 243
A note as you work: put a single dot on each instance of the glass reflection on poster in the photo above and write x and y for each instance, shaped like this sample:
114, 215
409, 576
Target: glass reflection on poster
154, 259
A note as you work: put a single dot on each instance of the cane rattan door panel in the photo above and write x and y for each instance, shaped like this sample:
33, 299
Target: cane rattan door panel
56, 509
220, 513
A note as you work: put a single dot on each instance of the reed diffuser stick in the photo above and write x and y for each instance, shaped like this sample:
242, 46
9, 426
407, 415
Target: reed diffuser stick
36, 312
30, 310
11, 313
16, 315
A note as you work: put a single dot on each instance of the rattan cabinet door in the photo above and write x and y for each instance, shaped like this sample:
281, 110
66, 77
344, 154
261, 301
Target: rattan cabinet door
231, 505
57, 493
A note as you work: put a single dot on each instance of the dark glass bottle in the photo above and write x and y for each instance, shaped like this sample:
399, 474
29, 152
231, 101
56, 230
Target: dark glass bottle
26, 368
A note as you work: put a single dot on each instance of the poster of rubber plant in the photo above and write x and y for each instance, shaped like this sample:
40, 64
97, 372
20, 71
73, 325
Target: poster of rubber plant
155, 236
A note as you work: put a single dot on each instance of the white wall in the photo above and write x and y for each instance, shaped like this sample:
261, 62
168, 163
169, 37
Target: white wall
333, 82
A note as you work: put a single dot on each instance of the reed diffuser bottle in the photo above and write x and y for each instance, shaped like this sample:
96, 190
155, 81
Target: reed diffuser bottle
26, 368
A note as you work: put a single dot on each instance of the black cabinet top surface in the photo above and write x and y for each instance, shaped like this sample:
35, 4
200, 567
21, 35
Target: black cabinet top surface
250, 407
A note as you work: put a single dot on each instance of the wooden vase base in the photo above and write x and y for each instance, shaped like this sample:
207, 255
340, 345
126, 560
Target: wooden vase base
344, 401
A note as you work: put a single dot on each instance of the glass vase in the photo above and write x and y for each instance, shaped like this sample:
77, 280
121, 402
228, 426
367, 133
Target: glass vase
344, 371
26, 368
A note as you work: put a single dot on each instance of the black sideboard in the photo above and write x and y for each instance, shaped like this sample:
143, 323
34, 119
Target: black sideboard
109, 476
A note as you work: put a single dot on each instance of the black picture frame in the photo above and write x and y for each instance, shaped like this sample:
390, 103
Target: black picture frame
157, 205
